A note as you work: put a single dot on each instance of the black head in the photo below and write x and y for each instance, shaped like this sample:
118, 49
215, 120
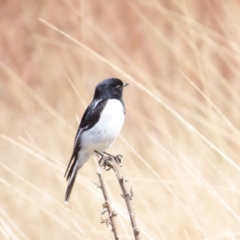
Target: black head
109, 88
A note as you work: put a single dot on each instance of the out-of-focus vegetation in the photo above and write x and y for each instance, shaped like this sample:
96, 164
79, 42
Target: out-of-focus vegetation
180, 140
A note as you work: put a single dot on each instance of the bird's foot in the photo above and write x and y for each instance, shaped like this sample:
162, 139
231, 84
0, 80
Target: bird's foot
106, 159
117, 158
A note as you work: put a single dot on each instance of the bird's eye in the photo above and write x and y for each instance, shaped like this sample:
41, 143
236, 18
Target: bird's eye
116, 90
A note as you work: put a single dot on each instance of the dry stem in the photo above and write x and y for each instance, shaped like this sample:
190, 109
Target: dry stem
107, 205
112, 162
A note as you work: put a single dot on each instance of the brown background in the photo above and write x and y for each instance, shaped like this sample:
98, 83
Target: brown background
180, 140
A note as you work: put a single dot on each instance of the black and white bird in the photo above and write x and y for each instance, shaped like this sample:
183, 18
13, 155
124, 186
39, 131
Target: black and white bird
99, 127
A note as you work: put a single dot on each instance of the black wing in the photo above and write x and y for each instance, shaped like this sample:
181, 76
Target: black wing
91, 116
89, 119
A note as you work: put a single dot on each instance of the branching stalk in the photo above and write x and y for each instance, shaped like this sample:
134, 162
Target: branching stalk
107, 206
108, 161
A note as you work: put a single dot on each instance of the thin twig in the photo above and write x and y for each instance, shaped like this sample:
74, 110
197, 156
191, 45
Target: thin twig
107, 205
109, 161
127, 197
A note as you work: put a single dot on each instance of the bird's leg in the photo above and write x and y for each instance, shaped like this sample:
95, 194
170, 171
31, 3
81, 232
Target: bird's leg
117, 158
104, 160
99, 154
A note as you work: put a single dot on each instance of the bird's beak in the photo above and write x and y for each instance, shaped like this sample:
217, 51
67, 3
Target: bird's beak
125, 84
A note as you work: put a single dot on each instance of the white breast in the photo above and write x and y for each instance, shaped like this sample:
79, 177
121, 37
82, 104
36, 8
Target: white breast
103, 134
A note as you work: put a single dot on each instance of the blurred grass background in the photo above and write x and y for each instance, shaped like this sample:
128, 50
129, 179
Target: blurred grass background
180, 140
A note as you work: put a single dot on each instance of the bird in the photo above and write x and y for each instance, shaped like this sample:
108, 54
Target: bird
101, 123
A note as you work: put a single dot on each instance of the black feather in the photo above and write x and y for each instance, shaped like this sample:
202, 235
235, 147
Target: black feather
69, 188
92, 114
89, 119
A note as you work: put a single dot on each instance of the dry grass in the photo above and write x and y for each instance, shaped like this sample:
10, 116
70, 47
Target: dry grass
181, 137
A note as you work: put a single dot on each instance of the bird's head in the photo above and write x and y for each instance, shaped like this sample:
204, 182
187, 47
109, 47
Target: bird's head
110, 88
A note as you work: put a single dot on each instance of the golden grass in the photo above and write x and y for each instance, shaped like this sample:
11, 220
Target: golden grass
180, 140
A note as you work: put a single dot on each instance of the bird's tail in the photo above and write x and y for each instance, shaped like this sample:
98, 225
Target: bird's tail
70, 186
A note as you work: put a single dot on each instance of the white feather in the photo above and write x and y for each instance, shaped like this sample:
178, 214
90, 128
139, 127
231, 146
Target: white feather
102, 135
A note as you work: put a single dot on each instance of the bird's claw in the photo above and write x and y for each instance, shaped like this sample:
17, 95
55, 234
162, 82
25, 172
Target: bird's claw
105, 163
117, 158
106, 159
